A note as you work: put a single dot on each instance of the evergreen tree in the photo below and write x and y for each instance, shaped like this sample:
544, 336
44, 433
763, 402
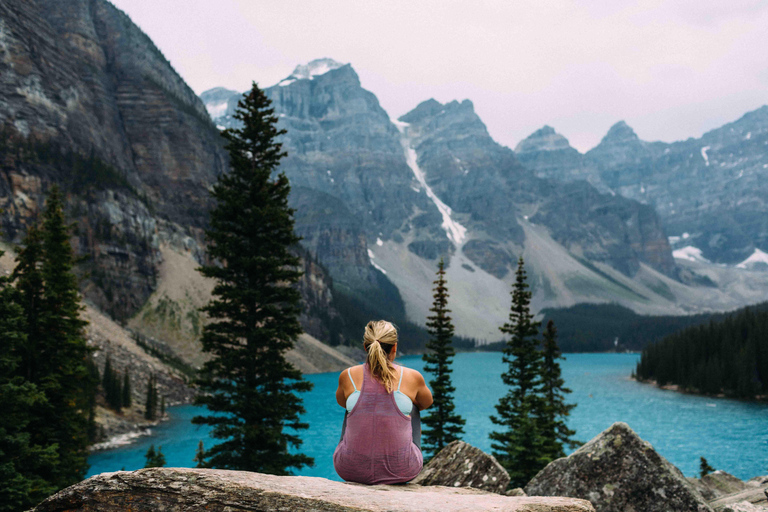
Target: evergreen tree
247, 385
58, 356
704, 468
520, 445
155, 458
442, 425
27, 464
556, 433
150, 405
200, 456
126, 401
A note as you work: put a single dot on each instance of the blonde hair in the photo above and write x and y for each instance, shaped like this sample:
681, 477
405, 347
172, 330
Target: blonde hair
379, 339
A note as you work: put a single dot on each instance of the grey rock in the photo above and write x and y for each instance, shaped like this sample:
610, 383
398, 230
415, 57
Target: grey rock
617, 471
752, 499
178, 489
717, 484
711, 187
462, 465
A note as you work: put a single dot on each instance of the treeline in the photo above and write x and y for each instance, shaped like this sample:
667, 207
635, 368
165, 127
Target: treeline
728, 356
611, 327
75, 172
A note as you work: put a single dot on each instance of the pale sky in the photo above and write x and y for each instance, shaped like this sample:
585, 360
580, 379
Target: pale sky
670, 69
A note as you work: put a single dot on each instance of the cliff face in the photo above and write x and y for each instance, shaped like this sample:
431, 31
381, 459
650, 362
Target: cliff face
88, 102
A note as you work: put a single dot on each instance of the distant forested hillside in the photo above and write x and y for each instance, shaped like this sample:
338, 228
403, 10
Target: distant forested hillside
728, 356
609, 327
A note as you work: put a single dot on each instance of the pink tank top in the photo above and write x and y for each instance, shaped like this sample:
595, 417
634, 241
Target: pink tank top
377, 447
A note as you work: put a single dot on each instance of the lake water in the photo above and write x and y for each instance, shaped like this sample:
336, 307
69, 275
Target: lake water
732, 435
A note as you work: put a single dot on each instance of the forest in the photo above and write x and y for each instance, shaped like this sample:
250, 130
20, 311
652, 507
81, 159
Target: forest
729, 356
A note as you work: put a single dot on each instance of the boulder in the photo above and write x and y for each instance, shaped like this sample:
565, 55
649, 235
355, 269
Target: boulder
184, 489
751, 499
619, 472
462, 465
717, 484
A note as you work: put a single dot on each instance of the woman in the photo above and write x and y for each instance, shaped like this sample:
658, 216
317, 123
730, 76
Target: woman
381, 399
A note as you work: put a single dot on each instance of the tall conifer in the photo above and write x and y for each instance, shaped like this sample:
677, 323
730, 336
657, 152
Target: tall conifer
520, 446
57, 359
27, 463
247, 384
442, 425
556, 432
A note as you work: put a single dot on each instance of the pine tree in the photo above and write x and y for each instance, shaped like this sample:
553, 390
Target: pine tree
27, 465
155, 458
200, 456
556, 432
126, 401
442, 425
107, 379
519, 447
247, 384
150, 405
58, 356
704, 467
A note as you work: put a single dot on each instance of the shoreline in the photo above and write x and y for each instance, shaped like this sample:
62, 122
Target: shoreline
762, 399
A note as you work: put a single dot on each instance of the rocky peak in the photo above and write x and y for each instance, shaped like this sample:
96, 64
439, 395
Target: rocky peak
543, 139
314, 68
423, 110
620, 133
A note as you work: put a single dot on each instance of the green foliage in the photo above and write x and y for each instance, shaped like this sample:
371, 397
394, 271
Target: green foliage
56, 358
112, 384
704, 468
595, 327
556, 433
520, 445
247, 385
150, 404
730, 356
155, 458
76, 173
27, 463
200, 456
442, 425
126, 390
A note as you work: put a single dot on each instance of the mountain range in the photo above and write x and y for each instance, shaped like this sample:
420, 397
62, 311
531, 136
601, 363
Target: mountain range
381, 200
88, 102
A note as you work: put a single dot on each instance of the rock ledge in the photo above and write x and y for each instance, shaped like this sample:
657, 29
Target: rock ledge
177, 489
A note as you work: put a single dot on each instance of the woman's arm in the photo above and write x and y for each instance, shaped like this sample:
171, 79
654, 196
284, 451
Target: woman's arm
341, 396
423, 394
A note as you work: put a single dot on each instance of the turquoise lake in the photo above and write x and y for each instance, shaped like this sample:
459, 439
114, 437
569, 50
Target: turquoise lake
731, 434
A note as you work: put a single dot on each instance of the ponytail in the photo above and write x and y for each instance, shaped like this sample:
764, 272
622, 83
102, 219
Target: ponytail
379, 339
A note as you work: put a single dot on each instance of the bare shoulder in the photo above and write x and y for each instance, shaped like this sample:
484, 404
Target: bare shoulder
413, 376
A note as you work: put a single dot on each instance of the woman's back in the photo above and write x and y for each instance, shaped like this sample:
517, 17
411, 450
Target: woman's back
377, 446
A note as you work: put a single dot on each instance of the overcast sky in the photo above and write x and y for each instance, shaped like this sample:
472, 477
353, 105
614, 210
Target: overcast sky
670, 69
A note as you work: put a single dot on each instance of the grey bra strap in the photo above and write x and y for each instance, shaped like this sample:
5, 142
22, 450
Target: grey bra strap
353, 381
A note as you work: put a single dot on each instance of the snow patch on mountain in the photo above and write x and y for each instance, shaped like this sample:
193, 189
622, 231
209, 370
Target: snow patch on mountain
689, 253
455, 231
704, 154
758, 258
216, 110
371, 256
315, 68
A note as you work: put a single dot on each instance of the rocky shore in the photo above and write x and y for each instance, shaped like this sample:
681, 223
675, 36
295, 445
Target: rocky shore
617, 471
